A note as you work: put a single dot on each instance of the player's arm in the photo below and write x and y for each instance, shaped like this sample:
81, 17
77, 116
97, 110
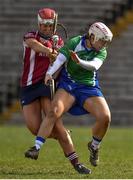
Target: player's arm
60, 60
37, 46
40, 48
93, 65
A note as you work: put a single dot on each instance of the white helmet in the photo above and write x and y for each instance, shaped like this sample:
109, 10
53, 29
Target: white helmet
100, 31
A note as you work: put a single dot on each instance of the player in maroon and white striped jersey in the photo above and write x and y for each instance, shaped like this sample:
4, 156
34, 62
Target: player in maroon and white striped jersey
37, 49
40, 50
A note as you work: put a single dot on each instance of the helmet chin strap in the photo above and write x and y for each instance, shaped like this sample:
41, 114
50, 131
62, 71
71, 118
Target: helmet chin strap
89, 38
44, 36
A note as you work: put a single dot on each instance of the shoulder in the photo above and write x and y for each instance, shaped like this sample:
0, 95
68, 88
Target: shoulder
72, 43
30, 34
102, 54
103, 51
75, 39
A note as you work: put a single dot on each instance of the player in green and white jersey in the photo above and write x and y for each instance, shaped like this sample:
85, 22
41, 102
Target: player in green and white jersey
78, 89
79, 71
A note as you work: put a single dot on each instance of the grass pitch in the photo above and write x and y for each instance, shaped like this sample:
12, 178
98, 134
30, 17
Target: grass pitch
116, 155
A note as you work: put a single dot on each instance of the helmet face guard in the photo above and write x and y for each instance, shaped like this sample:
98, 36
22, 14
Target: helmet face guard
48, 16
100, 32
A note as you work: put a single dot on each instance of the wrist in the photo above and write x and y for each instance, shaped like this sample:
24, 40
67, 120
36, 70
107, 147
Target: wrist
48, 51
78, 60
48, 74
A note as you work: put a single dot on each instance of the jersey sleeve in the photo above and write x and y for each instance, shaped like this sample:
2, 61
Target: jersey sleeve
29, 35
102, 54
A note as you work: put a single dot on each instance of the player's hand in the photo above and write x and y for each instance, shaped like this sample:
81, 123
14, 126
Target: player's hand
52, 56
74, 56
47, 79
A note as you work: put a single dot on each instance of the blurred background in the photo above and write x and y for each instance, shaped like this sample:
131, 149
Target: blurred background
116, 75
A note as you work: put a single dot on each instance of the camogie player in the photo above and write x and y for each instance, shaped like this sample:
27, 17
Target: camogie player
78, 85
40, 50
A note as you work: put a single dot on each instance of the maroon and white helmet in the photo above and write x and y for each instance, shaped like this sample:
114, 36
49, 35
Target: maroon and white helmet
47, 16
100, 31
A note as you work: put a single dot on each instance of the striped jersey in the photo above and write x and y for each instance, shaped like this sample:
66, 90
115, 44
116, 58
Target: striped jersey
75, 71
36, 64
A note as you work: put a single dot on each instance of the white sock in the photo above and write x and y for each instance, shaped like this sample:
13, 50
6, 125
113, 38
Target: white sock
95, 143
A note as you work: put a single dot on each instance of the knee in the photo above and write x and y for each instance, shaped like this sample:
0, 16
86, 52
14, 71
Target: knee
105, 118
53, 114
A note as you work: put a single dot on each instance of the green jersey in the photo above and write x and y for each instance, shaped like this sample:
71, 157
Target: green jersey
75, 71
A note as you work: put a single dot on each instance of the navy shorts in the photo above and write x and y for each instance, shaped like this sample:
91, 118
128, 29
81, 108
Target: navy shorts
30, 93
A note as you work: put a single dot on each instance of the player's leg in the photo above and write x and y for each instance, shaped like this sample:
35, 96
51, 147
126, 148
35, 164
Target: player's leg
33, 119
53, 113
32, 116
61, 103
65, 141
98, 107
64, 138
